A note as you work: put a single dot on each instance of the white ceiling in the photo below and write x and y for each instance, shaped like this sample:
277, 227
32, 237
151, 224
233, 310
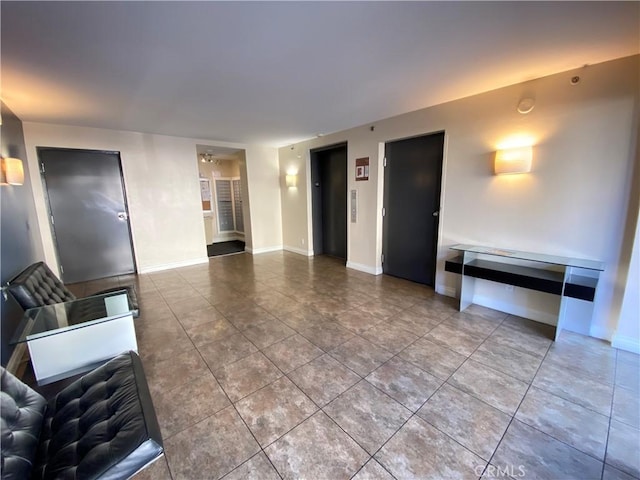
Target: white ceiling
275, 73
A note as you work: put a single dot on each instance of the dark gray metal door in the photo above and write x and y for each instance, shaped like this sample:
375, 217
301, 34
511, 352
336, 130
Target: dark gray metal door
89, 214
329, 200
412, 179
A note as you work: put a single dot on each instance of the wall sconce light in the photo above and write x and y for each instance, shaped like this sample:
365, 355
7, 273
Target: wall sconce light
12, 172
291, 180
513, 160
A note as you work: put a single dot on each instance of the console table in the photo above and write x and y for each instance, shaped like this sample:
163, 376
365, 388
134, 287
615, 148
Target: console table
68, 338
567, 277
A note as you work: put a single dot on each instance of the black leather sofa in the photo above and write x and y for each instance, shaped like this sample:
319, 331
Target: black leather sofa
37, 286
102, 426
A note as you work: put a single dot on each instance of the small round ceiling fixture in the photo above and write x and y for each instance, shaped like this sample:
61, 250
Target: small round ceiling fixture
526, 105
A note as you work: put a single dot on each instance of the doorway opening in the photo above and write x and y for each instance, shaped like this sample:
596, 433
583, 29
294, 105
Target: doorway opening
329, 200
412, 184
223, 207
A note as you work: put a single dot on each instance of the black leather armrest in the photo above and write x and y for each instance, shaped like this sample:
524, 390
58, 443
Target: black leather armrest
101, 426
21, 415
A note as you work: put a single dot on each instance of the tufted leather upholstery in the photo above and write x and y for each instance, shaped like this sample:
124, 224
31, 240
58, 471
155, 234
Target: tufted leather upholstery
37, 286
102, 426
21, 414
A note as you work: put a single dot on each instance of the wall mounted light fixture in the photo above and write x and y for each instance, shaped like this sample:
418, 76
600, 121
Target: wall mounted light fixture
513, 160
291, 180
11, 171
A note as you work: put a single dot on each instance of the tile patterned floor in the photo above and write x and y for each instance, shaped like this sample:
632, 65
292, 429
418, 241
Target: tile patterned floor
279, 366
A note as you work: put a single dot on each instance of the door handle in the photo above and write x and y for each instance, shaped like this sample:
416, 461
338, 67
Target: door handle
436, 213
123, 215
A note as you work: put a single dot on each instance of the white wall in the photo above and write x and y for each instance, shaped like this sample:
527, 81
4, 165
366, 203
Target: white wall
161, 181
263, 199
627, 334
573, 203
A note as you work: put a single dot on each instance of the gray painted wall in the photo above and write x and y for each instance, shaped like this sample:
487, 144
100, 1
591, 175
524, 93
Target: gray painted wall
20, 243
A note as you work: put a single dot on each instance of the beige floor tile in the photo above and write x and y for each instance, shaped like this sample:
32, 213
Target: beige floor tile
380, 309
420, 451
390, 337
327, 335
292, 353
245, 376
256, 468
566, 421
373, 471
304, 317
623, 448
507, 360
274, 410
415, 323
360, 355
175, 371
199, 317
474, 323
369, 416
404, 382
523, 340
316, 449
611, 473
228, 350
188, 404
575, 387
211, 332
471, 422
437, 360
461, 341
495, 388
525, 449
184, 305
211, 448
626, 406
357, 321
268, 332
628, 371
323, 379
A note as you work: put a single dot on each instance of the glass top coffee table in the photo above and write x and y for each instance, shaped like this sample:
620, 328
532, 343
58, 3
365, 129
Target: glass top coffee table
68, 338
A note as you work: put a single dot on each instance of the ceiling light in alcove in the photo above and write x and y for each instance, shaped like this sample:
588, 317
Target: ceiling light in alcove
209, 158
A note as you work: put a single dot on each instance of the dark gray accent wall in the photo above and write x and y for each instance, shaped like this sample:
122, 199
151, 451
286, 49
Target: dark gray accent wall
20, 243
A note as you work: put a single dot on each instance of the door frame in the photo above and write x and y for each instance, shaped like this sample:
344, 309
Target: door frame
45, 192
316, 210
438, 232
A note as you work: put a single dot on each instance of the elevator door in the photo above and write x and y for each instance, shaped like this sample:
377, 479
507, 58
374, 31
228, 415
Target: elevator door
329, 199
412, 179
88, 213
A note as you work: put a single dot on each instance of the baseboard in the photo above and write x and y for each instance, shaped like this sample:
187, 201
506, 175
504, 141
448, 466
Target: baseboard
257, 251
299, 251
169, 266
365, 268
628, 344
